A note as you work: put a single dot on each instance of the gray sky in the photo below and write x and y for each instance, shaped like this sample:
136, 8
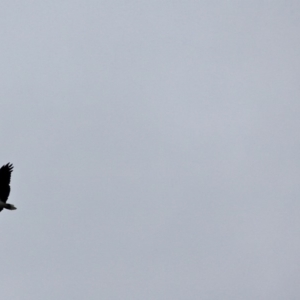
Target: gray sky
156, 149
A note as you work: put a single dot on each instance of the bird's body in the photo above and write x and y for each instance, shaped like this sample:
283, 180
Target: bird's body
5, 174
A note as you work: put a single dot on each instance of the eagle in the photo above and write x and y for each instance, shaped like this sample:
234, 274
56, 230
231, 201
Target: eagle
5, 174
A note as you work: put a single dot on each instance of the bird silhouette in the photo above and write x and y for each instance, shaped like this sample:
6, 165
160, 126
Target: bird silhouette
5, 174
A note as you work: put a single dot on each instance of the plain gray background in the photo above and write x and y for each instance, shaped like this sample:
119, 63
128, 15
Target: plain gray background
156, 149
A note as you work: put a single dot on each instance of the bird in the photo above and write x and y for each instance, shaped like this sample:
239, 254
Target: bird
5, 174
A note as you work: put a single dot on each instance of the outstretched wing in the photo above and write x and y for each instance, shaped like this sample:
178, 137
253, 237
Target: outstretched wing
5, 174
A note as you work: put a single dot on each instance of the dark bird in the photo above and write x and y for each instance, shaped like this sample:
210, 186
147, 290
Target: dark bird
5, 173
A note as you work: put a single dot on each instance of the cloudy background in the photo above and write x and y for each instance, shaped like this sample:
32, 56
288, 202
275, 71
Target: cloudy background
156, 149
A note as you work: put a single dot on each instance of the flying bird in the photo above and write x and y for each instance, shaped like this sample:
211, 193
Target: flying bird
5, 173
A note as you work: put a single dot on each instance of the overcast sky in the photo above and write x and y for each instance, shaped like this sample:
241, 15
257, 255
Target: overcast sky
156, 149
